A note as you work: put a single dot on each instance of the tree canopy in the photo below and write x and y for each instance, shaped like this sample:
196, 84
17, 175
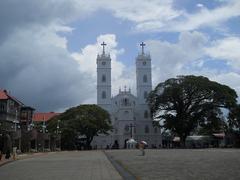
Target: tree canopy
84, 121
189, 103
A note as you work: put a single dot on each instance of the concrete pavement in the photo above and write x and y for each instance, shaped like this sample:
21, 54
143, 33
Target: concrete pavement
89, 165
159, 164
181, 164
20, 157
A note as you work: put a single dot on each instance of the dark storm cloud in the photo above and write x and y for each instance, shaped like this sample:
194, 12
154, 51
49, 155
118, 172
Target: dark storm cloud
34, 64
16, 14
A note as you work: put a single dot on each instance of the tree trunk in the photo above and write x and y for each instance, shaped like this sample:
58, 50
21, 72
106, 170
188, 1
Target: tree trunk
182, 141
88, 143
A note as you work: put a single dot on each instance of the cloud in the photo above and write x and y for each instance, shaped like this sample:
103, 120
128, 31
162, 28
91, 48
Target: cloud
226, 49
161, 16
200, 5
231, 79
87, 64
15, 14
188, 56
207, 17
36, 66
143, 12
38, 70
170, 59
152, 15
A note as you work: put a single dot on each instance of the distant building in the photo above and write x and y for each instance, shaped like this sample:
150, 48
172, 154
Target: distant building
130, 114
15, 117
43, 116
44, 141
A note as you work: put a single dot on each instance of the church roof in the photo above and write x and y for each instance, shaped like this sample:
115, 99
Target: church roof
125, 94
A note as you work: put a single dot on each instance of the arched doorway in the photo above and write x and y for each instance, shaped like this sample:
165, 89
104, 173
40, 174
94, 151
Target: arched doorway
125, 143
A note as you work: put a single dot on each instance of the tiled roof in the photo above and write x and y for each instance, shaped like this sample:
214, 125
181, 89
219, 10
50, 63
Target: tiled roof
38, 117
5, 95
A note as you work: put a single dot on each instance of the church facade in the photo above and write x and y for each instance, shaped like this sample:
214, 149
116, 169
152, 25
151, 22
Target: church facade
130, 114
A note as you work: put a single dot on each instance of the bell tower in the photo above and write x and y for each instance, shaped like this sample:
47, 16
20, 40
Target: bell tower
143, 75
104, 79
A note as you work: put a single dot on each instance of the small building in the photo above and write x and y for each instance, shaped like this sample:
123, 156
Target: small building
27, 128
44, 140
10, 109
15, 120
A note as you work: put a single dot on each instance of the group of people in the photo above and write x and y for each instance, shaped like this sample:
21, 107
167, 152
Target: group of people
5, 145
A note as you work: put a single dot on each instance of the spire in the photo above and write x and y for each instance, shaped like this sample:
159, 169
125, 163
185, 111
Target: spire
142, 44
103, 45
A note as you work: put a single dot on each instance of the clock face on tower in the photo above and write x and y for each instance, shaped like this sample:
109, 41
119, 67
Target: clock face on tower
103, 63
144, 63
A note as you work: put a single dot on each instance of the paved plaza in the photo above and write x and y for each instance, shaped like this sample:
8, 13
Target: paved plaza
89, 165
161, 164
181, 164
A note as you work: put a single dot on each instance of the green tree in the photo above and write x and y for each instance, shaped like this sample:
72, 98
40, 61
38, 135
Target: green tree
234, 119
84, 120
188, 103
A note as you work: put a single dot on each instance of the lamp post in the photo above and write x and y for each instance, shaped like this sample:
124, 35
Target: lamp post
58, 132
16, 135
15, 121
29, 135
44, 130
44, 127
30, 126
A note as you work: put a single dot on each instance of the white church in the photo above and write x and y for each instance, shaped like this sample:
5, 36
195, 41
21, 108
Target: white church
130, 114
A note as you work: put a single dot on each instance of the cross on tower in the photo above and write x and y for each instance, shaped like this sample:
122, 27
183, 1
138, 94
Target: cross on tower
142, 44
103, 45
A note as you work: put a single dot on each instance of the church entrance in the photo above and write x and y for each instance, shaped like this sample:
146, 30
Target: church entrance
125, 143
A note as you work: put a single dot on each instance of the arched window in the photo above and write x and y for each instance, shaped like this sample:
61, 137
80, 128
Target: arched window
103, 95
146, 129
146, 114
125, 102
145, 78
103, 78
145, 94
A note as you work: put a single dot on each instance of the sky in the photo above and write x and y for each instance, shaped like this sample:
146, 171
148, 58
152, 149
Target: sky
48, 48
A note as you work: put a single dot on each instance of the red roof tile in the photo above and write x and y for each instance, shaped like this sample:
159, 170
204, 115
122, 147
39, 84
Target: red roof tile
38, 117
3, 94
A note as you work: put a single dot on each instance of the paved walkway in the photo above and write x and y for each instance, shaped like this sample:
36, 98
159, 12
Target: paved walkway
19, 157
84, 165
181, 164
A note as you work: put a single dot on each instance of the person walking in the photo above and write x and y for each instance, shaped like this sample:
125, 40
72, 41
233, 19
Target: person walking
7, 146
141, 147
